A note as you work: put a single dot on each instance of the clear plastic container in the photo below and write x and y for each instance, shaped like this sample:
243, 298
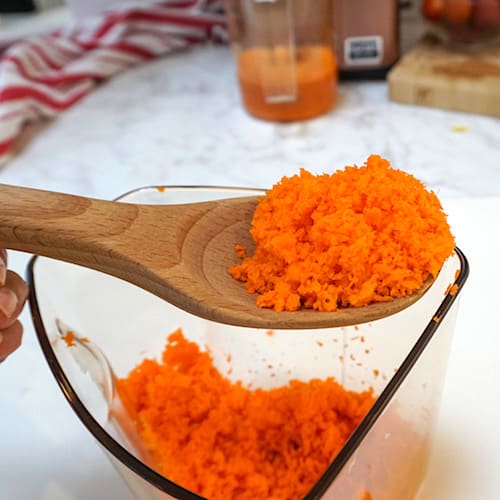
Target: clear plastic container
403, 357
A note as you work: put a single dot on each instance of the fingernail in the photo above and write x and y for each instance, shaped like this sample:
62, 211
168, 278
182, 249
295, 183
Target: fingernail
8, 301
3, 272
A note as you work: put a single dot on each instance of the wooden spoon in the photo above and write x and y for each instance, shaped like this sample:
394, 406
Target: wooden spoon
180, 253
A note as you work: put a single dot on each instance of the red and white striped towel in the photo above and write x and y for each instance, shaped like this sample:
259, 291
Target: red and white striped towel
43, 76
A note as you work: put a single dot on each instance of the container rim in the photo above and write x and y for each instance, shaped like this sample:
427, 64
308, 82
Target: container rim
162, 483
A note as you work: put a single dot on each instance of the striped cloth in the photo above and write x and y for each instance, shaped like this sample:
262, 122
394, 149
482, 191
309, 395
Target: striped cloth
43, 76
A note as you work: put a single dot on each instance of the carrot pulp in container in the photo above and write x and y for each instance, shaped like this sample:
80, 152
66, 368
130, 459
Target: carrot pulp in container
222, 440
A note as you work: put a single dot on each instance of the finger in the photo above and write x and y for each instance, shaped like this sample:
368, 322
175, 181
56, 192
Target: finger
10, 339
12, 298
3, 266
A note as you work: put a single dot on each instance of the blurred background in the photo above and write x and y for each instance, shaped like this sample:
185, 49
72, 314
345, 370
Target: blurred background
24, 17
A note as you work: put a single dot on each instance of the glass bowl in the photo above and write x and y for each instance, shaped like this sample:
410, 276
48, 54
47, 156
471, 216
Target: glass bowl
116, 325
465, 22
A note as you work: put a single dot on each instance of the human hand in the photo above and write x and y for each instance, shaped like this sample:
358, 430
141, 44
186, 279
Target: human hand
13, 294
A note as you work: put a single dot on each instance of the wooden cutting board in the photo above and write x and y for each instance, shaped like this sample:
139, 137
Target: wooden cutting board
432, 74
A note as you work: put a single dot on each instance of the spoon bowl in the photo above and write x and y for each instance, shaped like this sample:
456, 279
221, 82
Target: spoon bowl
180, 253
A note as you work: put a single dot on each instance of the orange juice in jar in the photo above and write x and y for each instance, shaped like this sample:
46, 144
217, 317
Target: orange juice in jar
286, 65
275, 88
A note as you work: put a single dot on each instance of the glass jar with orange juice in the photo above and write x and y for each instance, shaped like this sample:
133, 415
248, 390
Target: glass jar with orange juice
286, 65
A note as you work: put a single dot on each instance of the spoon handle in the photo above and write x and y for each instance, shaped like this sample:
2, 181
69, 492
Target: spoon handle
62, 226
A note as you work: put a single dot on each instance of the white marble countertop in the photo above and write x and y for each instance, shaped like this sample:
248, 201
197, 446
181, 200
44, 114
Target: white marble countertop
179, 121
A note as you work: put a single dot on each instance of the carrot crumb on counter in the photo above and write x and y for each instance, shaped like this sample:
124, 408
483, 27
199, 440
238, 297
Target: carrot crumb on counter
460, 128
221, 440
360, 235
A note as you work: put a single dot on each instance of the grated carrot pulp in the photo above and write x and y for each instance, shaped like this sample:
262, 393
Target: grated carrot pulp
222, 440
360, 235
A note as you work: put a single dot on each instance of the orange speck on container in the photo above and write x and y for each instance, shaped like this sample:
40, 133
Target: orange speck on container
452, 289
69, 338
